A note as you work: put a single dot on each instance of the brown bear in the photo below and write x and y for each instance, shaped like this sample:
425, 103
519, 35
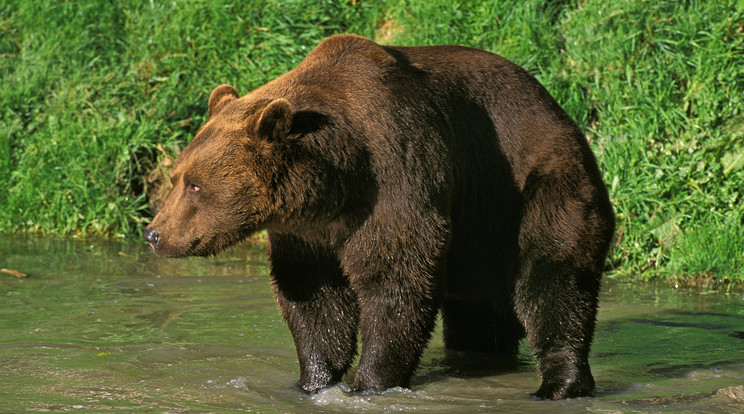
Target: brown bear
395, 182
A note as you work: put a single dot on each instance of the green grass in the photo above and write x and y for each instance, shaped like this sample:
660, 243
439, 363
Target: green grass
95, 94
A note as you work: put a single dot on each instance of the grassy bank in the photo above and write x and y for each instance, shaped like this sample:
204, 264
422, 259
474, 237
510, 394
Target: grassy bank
97, 96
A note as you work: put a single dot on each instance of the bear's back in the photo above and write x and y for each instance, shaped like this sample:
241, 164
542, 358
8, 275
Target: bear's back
474, 100
470, 114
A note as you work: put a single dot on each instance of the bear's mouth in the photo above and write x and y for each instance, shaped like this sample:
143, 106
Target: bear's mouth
167, 250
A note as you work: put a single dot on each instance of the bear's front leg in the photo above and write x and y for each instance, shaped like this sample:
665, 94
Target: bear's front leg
396, 323
396, 287
395, 264
319, 307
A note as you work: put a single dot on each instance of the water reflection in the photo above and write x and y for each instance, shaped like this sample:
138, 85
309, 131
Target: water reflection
105, 325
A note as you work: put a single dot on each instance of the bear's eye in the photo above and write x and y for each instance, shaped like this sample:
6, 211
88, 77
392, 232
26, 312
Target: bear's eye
193, 188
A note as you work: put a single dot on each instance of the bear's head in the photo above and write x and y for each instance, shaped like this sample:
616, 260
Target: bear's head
226, 179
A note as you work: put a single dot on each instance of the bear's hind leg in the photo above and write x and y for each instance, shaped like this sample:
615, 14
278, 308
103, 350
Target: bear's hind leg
564, 236
558, 308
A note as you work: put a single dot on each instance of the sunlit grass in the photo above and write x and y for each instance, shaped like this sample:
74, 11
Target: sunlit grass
96, 93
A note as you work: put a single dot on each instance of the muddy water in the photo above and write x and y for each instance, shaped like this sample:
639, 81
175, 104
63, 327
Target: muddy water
102, 326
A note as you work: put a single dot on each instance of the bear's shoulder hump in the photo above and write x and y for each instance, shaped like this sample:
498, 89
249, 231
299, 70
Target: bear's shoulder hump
352, 46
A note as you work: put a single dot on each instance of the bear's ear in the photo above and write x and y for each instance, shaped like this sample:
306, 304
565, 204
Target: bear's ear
220, 96
276, 120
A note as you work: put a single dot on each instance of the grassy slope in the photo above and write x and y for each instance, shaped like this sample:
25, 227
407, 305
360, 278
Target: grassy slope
93, 91
96, 93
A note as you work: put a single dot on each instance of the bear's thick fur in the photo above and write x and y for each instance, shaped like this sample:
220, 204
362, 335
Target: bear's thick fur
396, 182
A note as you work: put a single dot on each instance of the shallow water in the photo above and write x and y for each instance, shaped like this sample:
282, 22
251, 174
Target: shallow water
106, 326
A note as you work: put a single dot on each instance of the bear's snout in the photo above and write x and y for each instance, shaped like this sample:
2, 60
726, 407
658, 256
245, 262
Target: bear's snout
152, 236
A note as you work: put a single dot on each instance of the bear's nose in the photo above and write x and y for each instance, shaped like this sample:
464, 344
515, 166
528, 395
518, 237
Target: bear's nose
151, 236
